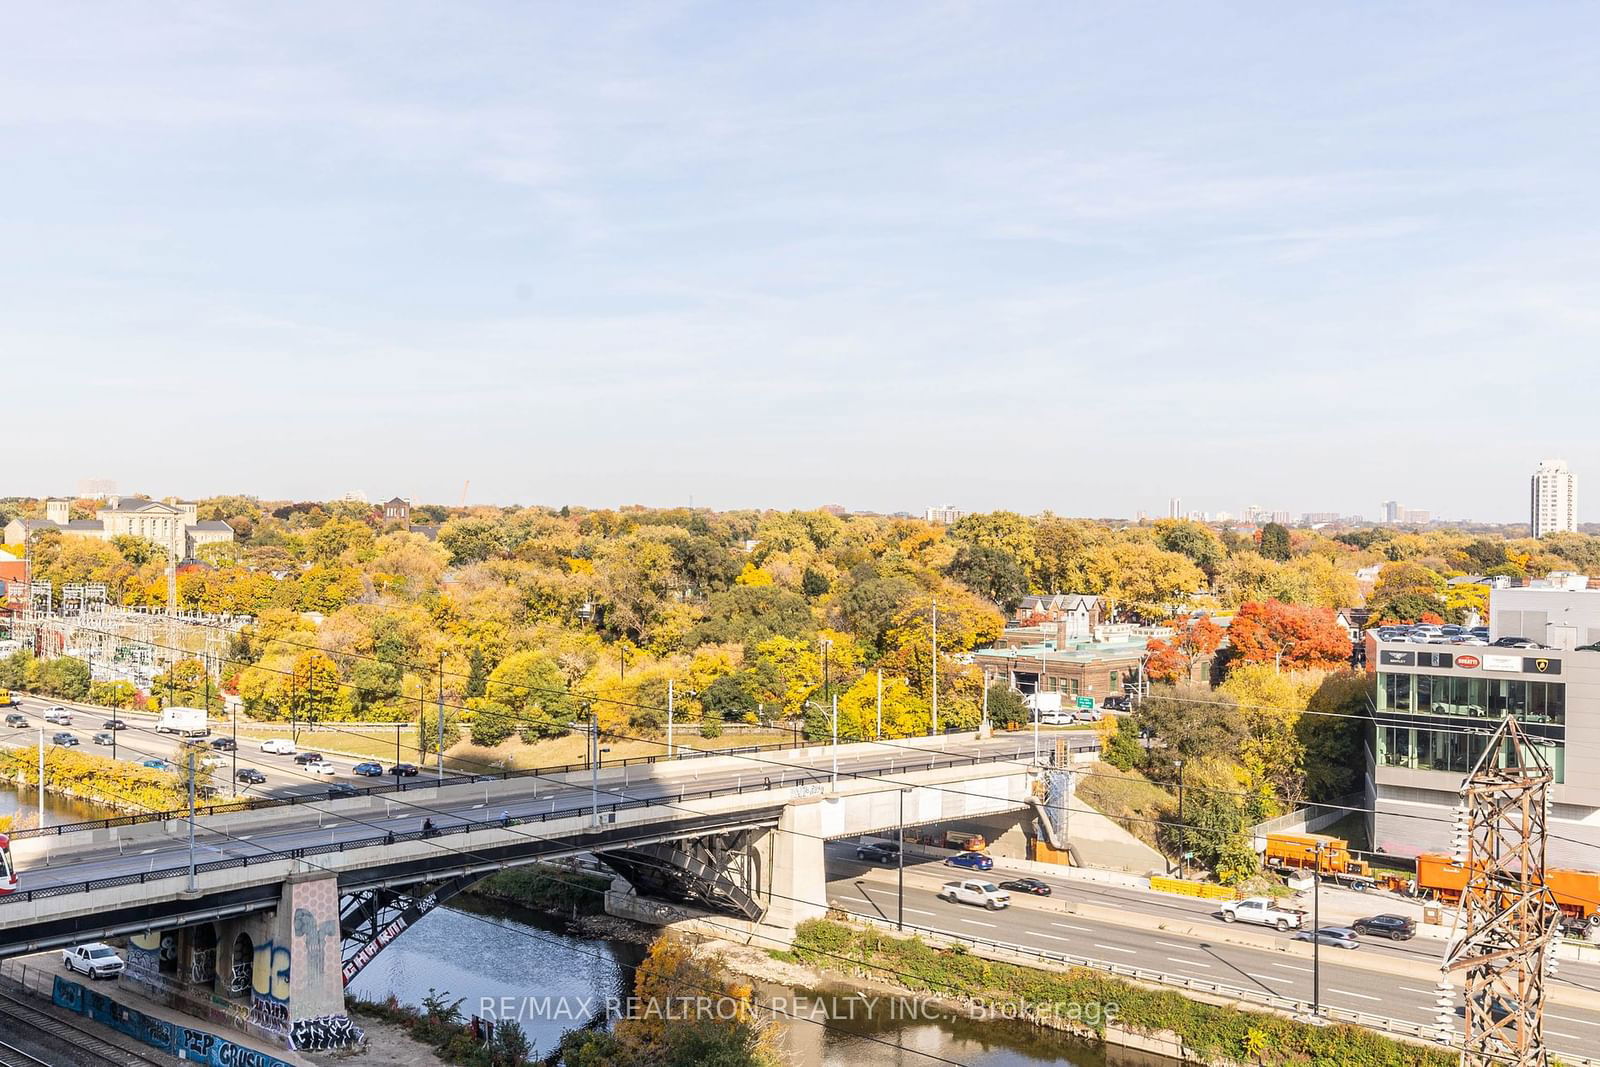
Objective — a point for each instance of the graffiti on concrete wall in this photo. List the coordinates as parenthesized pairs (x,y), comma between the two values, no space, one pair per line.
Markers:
(189,1043)
(271,972)
(202,965)
(316,937)
(325,1032)
(270,1015)
(240,980)
(144,959)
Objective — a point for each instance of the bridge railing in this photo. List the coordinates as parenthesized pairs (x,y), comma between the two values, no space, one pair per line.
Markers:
(458,825)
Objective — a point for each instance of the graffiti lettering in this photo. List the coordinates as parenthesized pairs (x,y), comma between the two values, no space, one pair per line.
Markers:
(193,1045)
(325,1032)
(202,965)
(316,936)
(269,1015)
(271,967)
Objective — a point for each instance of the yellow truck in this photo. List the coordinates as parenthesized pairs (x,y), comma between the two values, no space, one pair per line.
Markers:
(1301,852)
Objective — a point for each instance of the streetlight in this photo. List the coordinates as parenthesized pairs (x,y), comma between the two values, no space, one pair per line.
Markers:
(1182,853)
(835,783)
(827,646)
(1316,933)
(900,854)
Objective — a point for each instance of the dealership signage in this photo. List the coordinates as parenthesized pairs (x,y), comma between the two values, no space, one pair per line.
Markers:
(1502,663)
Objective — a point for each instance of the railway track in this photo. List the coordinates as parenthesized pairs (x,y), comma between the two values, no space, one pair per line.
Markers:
(78,1037)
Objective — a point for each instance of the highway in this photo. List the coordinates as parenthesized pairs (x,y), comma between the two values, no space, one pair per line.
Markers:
(1140,928)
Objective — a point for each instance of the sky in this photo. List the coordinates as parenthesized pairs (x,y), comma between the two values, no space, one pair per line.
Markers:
(1039,256)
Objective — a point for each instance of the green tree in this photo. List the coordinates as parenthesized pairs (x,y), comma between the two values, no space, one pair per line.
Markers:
(1202,547)
(532,689)
(1122,749)
(991,572)
(1006,707)
(1192,721)
(63,676)
(747,614)
(1275,542)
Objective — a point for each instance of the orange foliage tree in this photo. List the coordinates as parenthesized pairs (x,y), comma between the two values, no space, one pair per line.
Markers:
(1298,637)
(1173,660)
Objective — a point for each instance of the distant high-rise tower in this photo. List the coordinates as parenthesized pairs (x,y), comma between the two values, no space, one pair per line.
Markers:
(1391,511)
(1554,507)
(1175,508)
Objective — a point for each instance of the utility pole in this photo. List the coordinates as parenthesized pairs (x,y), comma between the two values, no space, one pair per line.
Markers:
(984,721)
(835,743)
(934,721)
(1182,856)
(441,716)
(191,821)
(900,855)
(235,745)
(827,646)
(1511,917)
(41,776)
(880,703)
(1316,934)
(669,718)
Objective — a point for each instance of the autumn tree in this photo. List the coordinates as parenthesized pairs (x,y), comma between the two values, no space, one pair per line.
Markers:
(1289,635)
(1275,542)
(1173,659)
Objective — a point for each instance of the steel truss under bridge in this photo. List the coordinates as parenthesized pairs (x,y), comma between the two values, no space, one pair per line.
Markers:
(369,919)
(721,872)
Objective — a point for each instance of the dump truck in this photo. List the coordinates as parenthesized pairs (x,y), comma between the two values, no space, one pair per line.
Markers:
(1299,852)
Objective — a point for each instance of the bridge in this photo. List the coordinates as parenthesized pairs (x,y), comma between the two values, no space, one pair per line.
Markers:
(284,905)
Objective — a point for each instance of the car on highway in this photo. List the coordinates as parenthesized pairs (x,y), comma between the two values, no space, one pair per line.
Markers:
(103,738)
(307,757)
(368,769)
(278,746)
(113,724)
(250,776)
(158,765)
(1031,886)
(404,770)
(339,790)
(224,744)
(1262,912)
(1394,927)
(64,739)
(16,720)
(878,852)
(972,861)
(1332,936)
(973,891)
(321,766)
(94,959)
(58,716)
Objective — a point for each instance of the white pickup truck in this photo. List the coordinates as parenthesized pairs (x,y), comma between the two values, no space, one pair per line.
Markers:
(974,891)
(1262,912)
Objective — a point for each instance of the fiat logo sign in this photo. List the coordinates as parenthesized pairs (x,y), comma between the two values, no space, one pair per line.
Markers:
(1468,661)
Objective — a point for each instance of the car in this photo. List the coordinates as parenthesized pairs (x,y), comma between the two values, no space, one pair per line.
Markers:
(322,767)
(307,757)
(250,776)
(878,852)
(16,720)
(224,744)
(972,891)
(339,790)
(113,724)
(404,770)
(103,738)
(1031,886)
(1452,629)
(1394,927)
(157,765)
(1262,912)
(94,959)
(278,746)
(368,769)
(1469,639)
(972,861)
(1117,704)
(1515,642)
(64,739)
(58,716)
(1332,936)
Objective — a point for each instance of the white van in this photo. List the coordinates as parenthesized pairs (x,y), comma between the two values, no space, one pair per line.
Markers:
(278,746)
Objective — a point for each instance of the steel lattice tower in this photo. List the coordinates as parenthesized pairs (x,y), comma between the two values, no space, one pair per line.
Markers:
(1511,916)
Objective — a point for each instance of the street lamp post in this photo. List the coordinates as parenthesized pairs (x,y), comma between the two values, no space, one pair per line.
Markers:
(827,677)
(1316,932)
(900,854)
(934,714)
(1182,852)
(191,821)
(835,783)
(235,745)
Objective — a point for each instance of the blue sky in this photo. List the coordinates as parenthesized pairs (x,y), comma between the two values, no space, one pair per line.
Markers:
(999,255)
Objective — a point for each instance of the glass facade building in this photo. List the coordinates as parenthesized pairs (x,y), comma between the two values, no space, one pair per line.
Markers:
(1442,722)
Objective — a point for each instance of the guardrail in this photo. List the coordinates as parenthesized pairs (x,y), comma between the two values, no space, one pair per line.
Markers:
(424,782)
(1419,1031)
(761,785)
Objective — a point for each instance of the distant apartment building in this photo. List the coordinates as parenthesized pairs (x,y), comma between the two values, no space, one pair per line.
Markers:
(1391,511)
(1318,518)
(176,527)
(1554,504)
(1175,508)
(946,514)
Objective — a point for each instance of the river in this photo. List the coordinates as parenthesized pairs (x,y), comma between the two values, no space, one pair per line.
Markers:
(23,804)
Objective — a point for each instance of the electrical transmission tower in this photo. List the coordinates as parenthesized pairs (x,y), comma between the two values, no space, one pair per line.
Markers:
(1511,916)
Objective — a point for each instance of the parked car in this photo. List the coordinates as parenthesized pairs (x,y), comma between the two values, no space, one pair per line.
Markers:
(1117,704)
(1031,886)
(1469,639)
(878,852)
(971,891)
(249,776)
(58,716)
(16,720)
(972,861)
(307,757)
(278,746)
(224,744)
(404,770)
(1331,936)
(339,790)
(94,959)
(1515,642)
(103,738)
(1262,912)
(368,769)
(1394,927)
(113,724)
(64,739)
(322,767)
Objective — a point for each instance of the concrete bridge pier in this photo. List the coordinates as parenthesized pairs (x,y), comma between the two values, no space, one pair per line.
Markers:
(797,888)
(306,940)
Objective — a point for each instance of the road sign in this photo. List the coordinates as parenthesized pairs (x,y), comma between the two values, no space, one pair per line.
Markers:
(1086,703)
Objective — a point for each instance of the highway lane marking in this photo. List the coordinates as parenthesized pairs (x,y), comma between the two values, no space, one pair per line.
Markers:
(1114,948)
(858,900)
(1570,1019)
(1569,1037)
(1188,963)
(1292,967)
(1424,992)
(1361,996)
(1183,948)
(1268,977)
(975,922)
(1056,937)
(1069,926)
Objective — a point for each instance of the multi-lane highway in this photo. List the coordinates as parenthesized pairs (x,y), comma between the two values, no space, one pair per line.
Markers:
(1182,936)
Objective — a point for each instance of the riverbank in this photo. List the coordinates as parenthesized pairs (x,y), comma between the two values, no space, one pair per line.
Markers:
(83,776)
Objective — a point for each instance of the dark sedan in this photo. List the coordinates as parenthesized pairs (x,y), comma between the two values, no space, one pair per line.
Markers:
(250,776)
(342,789)
(878,852)
(404,770)
(224,744)
(972,861)
(113,724)
(1027,885)
(1394,927)
(304,758)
